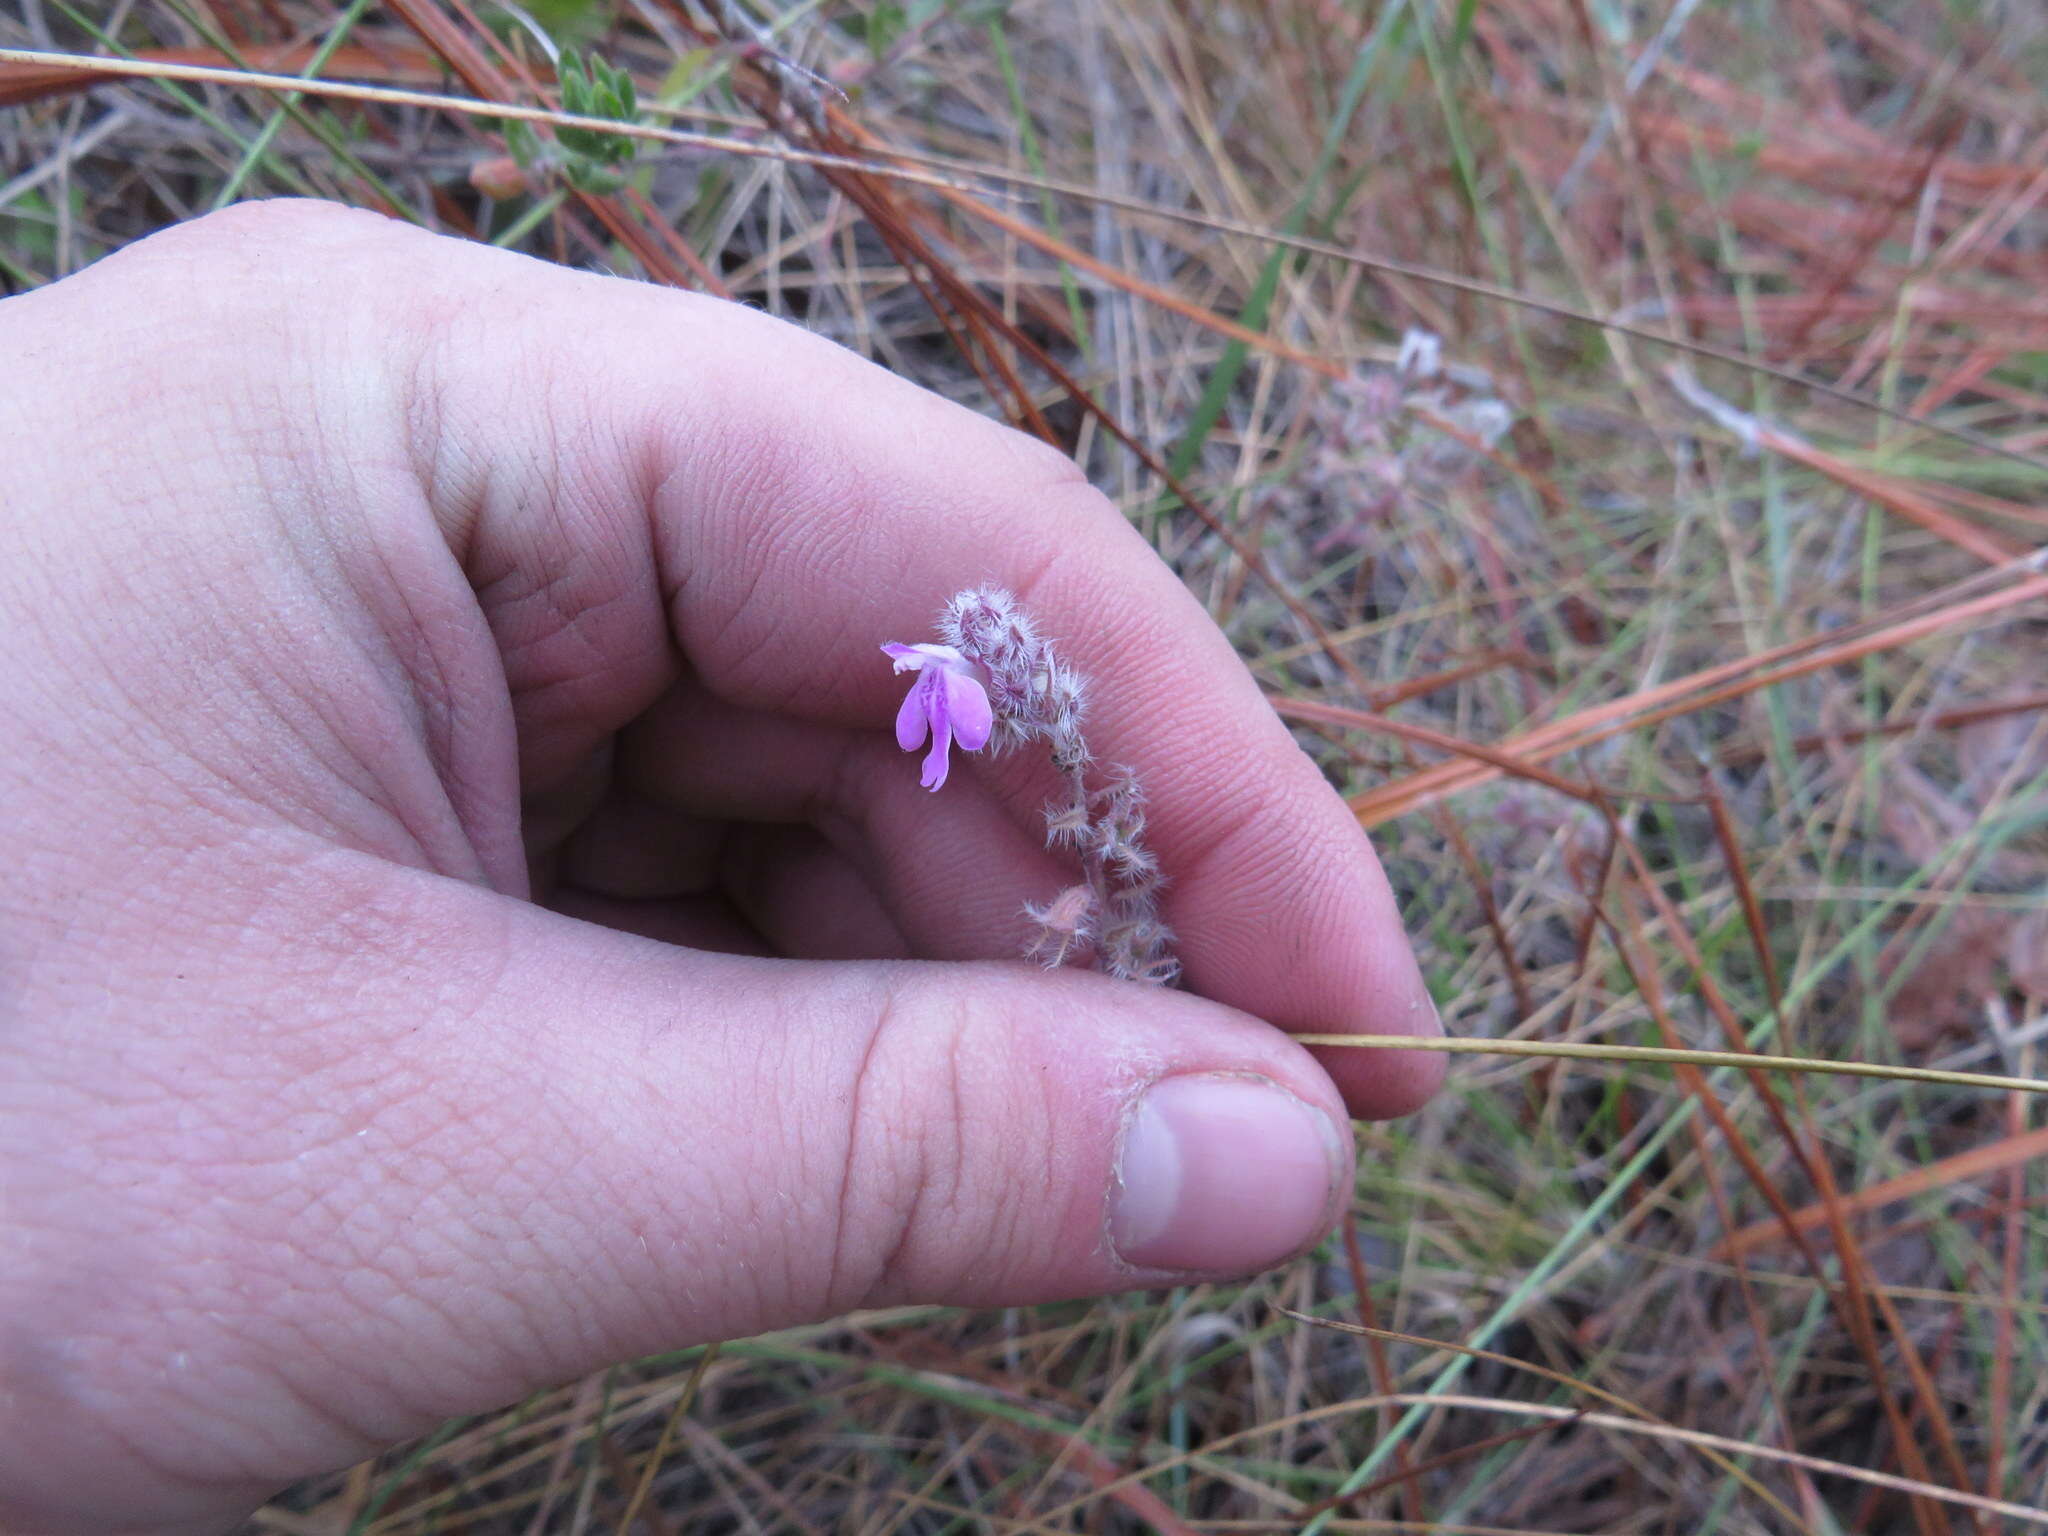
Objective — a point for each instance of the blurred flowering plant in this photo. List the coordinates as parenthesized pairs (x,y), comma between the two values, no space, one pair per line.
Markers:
(1387,434)
(588,159)
(994,679)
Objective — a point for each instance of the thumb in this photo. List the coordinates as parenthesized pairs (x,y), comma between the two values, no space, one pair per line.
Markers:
(750,1143)
(495,1147)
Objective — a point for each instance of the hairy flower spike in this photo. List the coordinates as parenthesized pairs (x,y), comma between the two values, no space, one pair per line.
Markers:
(1036,695)
(1027,693)
(1066,826)
(1062,925)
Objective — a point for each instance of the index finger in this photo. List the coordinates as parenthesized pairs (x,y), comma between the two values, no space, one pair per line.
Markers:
(863,503)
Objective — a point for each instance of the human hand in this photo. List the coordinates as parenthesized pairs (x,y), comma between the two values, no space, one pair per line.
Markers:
(358,585)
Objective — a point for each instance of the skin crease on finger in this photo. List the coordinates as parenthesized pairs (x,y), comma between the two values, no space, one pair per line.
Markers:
(330,575)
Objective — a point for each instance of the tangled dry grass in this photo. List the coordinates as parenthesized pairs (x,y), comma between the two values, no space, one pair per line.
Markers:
(1617,435)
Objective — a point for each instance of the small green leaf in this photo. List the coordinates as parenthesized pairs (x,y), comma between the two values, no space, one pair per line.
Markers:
(592,87)
(575,84)
(522,143)
(587,176)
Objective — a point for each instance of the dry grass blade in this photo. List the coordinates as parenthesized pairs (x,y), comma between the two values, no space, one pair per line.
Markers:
(684,1403)
(1706,1443)
(2025,1514)
(733,146)
(1567,1050)
(1686,695)
(22,83)
(1598,1394)
(2008,1152)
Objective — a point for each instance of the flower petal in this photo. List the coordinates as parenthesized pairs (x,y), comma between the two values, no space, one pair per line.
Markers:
(935,761)
(967,710)
(915,658)
(911,722)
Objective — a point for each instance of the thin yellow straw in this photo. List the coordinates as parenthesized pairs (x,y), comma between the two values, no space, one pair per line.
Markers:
(1746,1060)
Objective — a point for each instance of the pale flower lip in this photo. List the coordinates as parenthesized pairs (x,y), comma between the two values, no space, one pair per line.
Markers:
(947,702)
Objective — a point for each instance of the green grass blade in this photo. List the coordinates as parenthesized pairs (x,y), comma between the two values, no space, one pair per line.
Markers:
(1223,378)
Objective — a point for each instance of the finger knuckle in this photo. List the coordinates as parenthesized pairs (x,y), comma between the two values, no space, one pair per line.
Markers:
(272,228)
(936,1174)
(243,254)
(262,268)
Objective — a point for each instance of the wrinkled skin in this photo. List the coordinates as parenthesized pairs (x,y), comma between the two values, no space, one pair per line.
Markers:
(463,916)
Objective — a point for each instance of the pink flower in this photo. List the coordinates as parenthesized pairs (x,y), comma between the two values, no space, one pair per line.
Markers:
(947,701)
